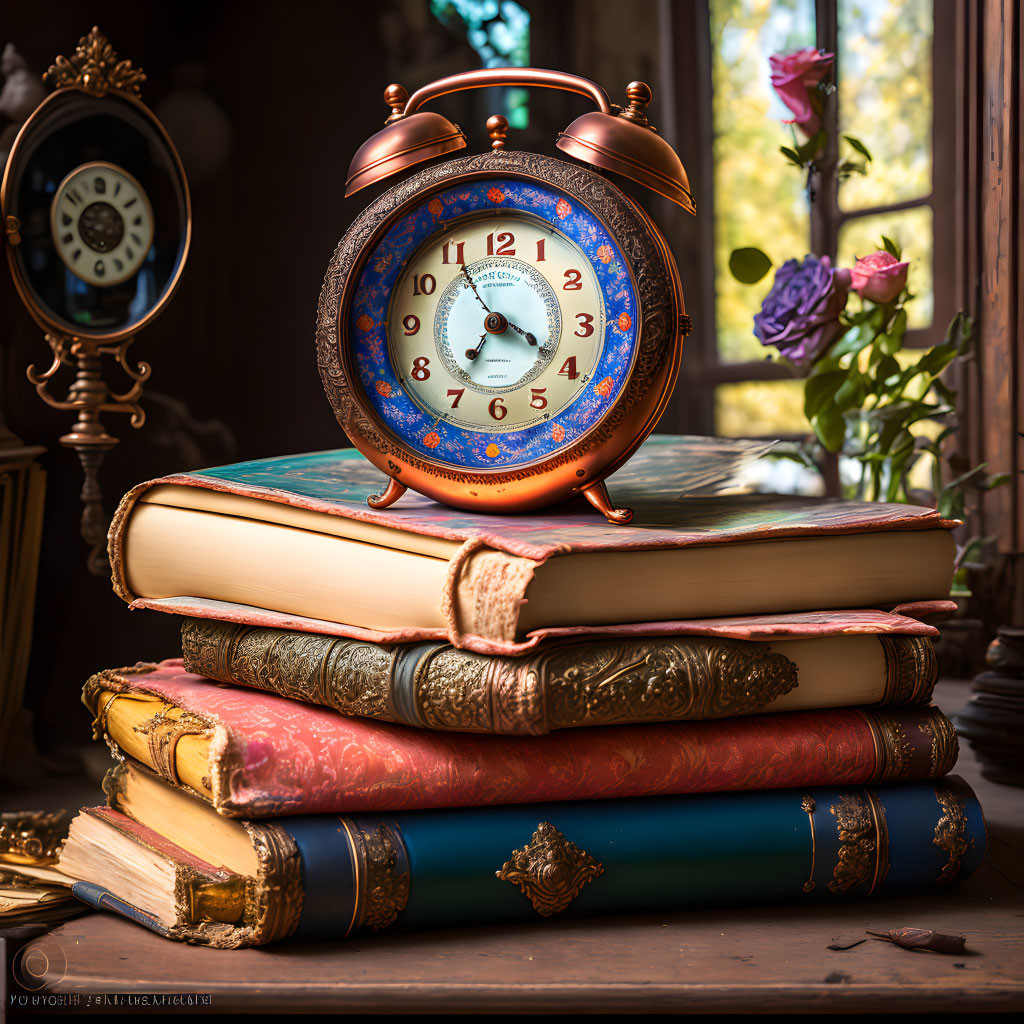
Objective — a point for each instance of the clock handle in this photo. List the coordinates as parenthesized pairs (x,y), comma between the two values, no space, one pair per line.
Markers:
(611,137)
(488,77)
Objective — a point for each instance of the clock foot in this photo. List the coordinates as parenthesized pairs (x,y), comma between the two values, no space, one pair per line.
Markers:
(391,494)
(597,495)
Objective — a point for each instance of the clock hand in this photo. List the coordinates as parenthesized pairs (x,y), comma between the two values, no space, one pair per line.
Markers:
(526,334)
(472,353)
(465,273)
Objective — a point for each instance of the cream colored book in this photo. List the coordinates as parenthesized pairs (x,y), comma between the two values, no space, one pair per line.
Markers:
(290,543)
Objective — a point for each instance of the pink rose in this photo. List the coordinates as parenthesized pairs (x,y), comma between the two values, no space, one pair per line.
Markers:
(879,277)
(796,77)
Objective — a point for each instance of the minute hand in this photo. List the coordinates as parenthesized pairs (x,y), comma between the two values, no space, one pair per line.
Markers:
(465,273)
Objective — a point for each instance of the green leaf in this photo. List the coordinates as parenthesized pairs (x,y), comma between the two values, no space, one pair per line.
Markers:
(749,265)
(820,389)
(791,155)
(896,473)
(898,327)
(858,317)
(812,147)
(951,504)
(936,359)
(960,332)
(830,427)
(859,146)
(851,394)
(890,344)
(848,167)
(887,368)
(946,393)
(891,247)
(971,477)
(996,480)
(960,586)
(853,341)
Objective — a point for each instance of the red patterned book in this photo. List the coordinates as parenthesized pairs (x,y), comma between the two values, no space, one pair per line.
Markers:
(290,543)
(254,754)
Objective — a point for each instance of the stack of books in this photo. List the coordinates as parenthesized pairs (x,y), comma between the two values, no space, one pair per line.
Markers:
(422,717)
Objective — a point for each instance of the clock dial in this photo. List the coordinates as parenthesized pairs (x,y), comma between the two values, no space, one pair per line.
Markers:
(496,343)
(102,224)
(494,324)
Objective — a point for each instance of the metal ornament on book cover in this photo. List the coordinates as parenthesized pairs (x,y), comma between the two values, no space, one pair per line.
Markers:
(500,332)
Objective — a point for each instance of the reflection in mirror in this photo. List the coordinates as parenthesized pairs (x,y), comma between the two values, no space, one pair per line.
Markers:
(102,211)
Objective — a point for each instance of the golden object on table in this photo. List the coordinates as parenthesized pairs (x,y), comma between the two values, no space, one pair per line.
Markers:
(33,890)
(32,837)
(550,870)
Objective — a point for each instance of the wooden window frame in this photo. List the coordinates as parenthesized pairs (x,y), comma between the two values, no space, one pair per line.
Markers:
(686,40)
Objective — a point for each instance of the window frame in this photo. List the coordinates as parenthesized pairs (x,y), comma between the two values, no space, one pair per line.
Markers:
(686,66)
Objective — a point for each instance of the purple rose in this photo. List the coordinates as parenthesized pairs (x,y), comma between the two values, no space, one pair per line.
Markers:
(800,315)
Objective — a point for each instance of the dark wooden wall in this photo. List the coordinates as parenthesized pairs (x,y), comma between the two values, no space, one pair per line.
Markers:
(234,375)
(991,187)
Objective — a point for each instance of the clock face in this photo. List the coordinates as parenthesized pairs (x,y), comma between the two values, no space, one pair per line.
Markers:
(102,224)
(494,324)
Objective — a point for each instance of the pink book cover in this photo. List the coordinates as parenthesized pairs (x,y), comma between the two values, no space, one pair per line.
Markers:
(270,755)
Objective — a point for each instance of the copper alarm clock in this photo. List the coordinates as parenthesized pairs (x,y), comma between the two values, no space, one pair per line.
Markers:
(500,332)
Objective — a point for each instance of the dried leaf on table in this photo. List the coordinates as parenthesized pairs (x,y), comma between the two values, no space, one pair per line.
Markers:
(923,938)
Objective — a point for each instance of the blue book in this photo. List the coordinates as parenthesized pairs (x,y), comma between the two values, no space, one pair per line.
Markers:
(228,883)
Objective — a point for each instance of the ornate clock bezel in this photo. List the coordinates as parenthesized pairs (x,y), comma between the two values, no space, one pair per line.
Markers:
(610,441)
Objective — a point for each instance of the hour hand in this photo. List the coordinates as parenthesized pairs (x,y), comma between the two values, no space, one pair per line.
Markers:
(472,353)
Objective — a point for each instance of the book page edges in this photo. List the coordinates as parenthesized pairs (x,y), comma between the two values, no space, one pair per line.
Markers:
(753,627)
(272,899)
(473,590)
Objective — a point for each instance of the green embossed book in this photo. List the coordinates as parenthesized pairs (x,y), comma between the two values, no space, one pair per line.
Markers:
(290,543)
(172,864)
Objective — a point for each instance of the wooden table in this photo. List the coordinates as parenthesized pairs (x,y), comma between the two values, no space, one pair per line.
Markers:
(765,959)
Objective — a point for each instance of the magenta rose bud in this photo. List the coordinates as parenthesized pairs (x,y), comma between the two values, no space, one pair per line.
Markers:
(796,77)
(800,315)
(879,277)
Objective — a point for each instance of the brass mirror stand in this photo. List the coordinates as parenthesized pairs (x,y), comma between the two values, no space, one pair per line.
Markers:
(88,396)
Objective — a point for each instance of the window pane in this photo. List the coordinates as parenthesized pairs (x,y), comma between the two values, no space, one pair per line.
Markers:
(759,198)
(885,98)
(500,34)
(911,230)
(756,408)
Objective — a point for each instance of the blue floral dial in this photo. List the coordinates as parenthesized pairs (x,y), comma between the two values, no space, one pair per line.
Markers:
(494,324)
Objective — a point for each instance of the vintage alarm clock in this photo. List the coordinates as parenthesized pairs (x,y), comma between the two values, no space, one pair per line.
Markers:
(500,332)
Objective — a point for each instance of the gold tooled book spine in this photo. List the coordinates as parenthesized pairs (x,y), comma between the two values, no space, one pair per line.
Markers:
(437,686)
(911,669)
